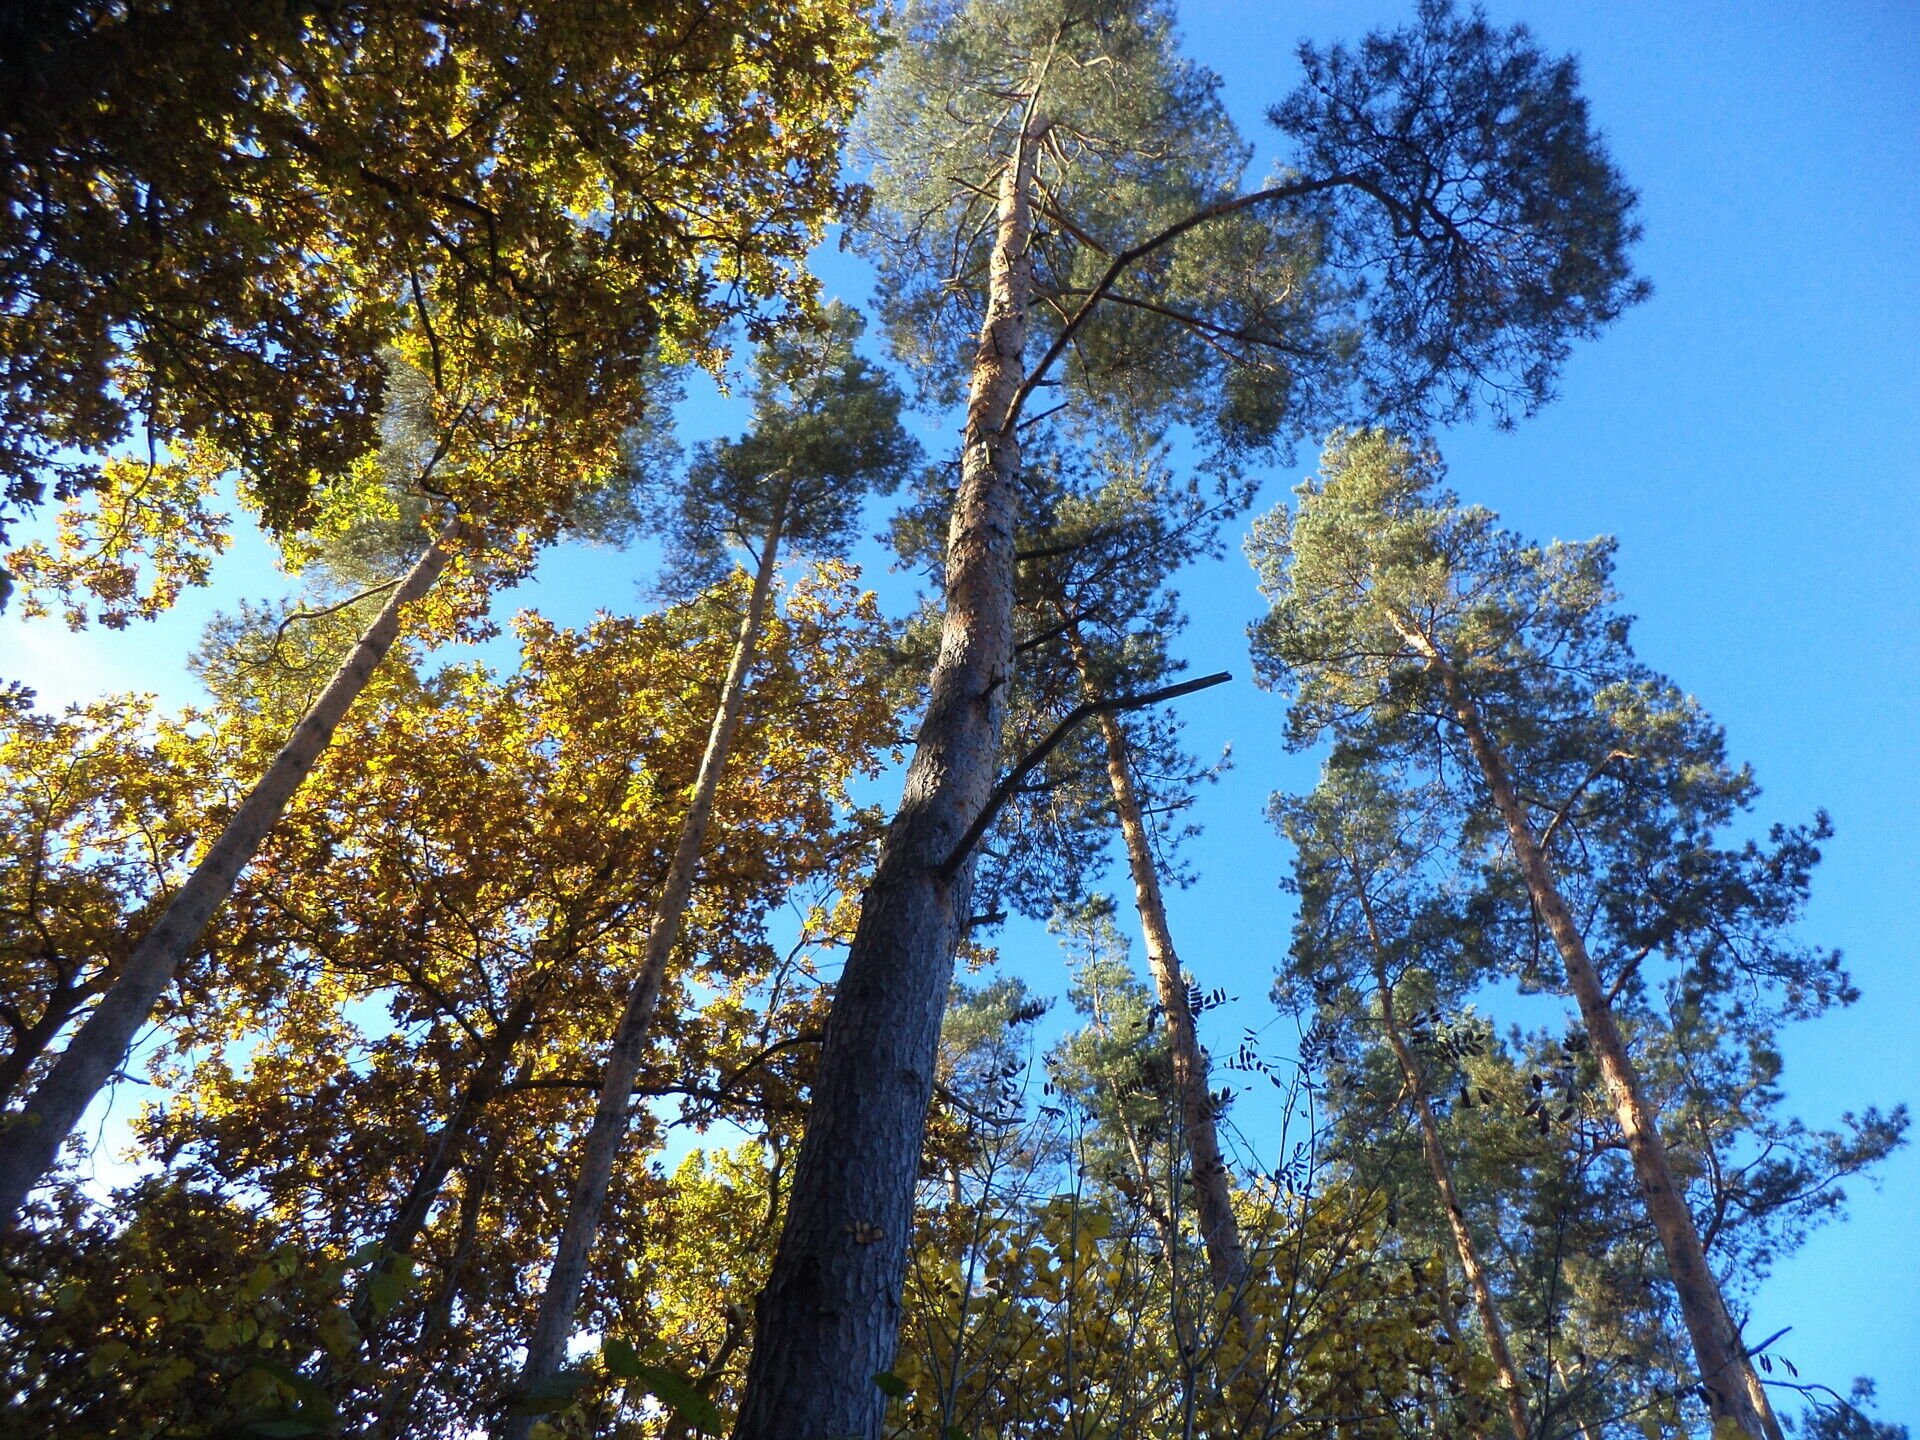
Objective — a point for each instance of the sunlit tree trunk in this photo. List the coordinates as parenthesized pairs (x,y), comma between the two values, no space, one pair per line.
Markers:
(1213,1200)
(553,1322)
(100,1047)
(1440,1170)
(829,1317)
(1733,1390)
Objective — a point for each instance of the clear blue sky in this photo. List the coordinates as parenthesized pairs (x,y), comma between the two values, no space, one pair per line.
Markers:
(1750,434)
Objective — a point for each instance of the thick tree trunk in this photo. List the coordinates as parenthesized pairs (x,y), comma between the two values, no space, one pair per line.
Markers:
(830,1315)
(1213,1201)
(30,1143)
(1441,1172)
(1733,1390)
(553,1322)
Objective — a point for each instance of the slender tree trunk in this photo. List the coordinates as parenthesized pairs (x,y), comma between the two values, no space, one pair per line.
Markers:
(1441,1172)
(409,1218)
(1588,1430)
(553,1322)
(1164,1222)
(830,1314)
(1733,1390)
(1213,1201)
(679,1427)
(30,1143)
(443,1151)
(402,1389)
(1161,1215)
(1451,1324)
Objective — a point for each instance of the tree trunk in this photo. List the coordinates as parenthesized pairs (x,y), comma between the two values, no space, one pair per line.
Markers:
(1441,1171)
(1733,1390)
(1213,1201)
(31,1041)
(553,1322)
(1470,1416)
(1588,1430)
(829,1317)
(392,1418)
(410,1217)
(32,1140)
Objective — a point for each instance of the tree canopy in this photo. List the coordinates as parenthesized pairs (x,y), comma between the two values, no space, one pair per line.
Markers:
(754,990)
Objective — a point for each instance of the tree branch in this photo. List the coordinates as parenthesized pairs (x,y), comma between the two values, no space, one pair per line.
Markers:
(1546,836)
(1009,786)
(1118,266)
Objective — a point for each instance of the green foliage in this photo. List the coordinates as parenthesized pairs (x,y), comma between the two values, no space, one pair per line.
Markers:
(825,436)
(1379,578)
(387,265)
(1493,202)
(176,1313)
(1450,223)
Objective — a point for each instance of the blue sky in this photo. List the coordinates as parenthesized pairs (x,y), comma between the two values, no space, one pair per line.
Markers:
(1749,434)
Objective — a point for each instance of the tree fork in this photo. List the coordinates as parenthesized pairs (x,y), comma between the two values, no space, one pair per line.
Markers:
(410,1216)
(29,1145)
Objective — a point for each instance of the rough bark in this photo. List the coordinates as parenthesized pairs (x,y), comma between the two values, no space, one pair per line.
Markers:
(1213,1201)
(1733,1391)
(553,1322)
(100,1047)
(829,1318)
(1440,1170)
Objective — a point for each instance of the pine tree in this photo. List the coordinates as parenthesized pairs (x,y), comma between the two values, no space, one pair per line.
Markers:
(1420,636)
(1052,170)
(826,434)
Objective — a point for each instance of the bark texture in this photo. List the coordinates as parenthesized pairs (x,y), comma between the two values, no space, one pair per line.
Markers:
(1213,1201)
(1733,1390)
(829,1317)
(31,1142)
(553,1322)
